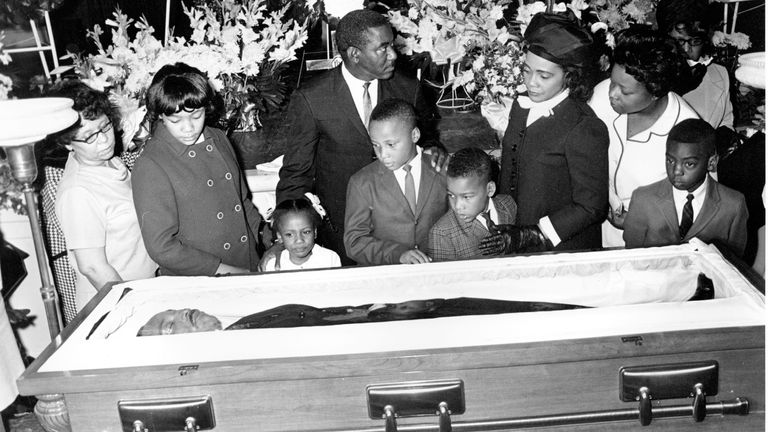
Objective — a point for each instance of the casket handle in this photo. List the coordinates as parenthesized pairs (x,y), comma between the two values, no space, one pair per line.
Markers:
(669,381)
(138,426)
(390,424)
(699,403)
(190,425)
(445,418)
(646,414)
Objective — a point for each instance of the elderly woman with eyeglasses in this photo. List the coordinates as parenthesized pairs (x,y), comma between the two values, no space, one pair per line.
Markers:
(94,200)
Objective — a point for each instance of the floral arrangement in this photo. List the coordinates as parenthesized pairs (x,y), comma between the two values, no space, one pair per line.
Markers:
(443,28)
(472,36)
(495,71)
(6,84)
(619,14)
(738,40)
(240,45)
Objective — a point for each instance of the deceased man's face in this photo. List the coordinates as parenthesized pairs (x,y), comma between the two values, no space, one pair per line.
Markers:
(175,321)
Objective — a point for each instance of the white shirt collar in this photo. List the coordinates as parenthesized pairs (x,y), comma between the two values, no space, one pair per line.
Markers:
(415,172)
(699,195)
(704,60)
(540,109)
(355,86)
(492,211)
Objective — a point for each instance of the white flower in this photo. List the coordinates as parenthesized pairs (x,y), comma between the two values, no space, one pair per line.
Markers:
(559,7)
(253,55)
(402,24)
(6,85)
(249,35)
(526,12)
(598,26)
(479,63)
(577,6)
(739,40)
(497,12)
(610,40)
(315,203)
(718,38)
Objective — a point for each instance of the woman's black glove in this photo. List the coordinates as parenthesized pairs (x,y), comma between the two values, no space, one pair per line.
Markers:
(506,239)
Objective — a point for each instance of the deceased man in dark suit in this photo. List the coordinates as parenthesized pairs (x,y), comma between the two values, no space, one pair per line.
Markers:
(328,117)
(176,321)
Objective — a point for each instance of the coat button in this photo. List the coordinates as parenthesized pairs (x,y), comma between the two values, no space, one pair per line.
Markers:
(238,208)
(227,246)
(219,215)
(209,148)
(243,239)
(209,183)
(228,176)
(192,153)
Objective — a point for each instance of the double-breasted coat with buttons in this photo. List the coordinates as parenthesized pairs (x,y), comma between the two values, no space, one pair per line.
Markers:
(193,206)
(558,167)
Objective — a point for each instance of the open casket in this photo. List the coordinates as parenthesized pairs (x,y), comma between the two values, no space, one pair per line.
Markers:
(639,354)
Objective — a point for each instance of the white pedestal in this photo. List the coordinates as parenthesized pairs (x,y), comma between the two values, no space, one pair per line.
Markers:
(16,231)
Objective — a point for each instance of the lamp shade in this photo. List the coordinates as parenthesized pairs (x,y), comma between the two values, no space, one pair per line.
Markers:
(25,121)
(751,70)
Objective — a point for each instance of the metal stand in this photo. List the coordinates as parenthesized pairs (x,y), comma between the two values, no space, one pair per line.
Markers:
(47,290)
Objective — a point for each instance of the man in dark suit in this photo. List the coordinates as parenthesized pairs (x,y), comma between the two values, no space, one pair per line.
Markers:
(688,203)
(329,140)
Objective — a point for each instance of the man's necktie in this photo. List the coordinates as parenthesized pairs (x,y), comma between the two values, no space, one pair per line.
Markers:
(487,217)
(367,105)
(687,219)
(410,188)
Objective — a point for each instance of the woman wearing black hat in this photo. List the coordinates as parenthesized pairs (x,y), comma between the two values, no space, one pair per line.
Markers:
(554,152)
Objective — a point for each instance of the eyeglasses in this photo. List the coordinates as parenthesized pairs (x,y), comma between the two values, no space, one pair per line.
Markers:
(695,41)
(90,139)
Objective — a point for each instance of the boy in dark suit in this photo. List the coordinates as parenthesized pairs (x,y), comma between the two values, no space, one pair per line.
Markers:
(394,201)
(473,213)
(689,203)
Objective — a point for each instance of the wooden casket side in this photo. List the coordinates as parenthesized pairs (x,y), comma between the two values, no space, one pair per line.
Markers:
(500,381)
(506,382)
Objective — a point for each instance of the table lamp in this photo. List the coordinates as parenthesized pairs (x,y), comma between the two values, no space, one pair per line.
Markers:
(23,122)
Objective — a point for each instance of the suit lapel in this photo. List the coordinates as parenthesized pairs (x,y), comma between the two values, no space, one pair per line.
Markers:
(388,185)
(717,80)
(666,205)
(708,210)
(426,183)
(343,95)
(503,210)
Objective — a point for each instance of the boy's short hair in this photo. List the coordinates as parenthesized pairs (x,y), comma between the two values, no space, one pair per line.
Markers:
(352,28)
(695,131)
(394,108)
(471,161)
(180,87)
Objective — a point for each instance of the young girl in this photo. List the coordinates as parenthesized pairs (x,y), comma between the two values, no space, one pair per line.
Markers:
(190,195)
(295,222)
